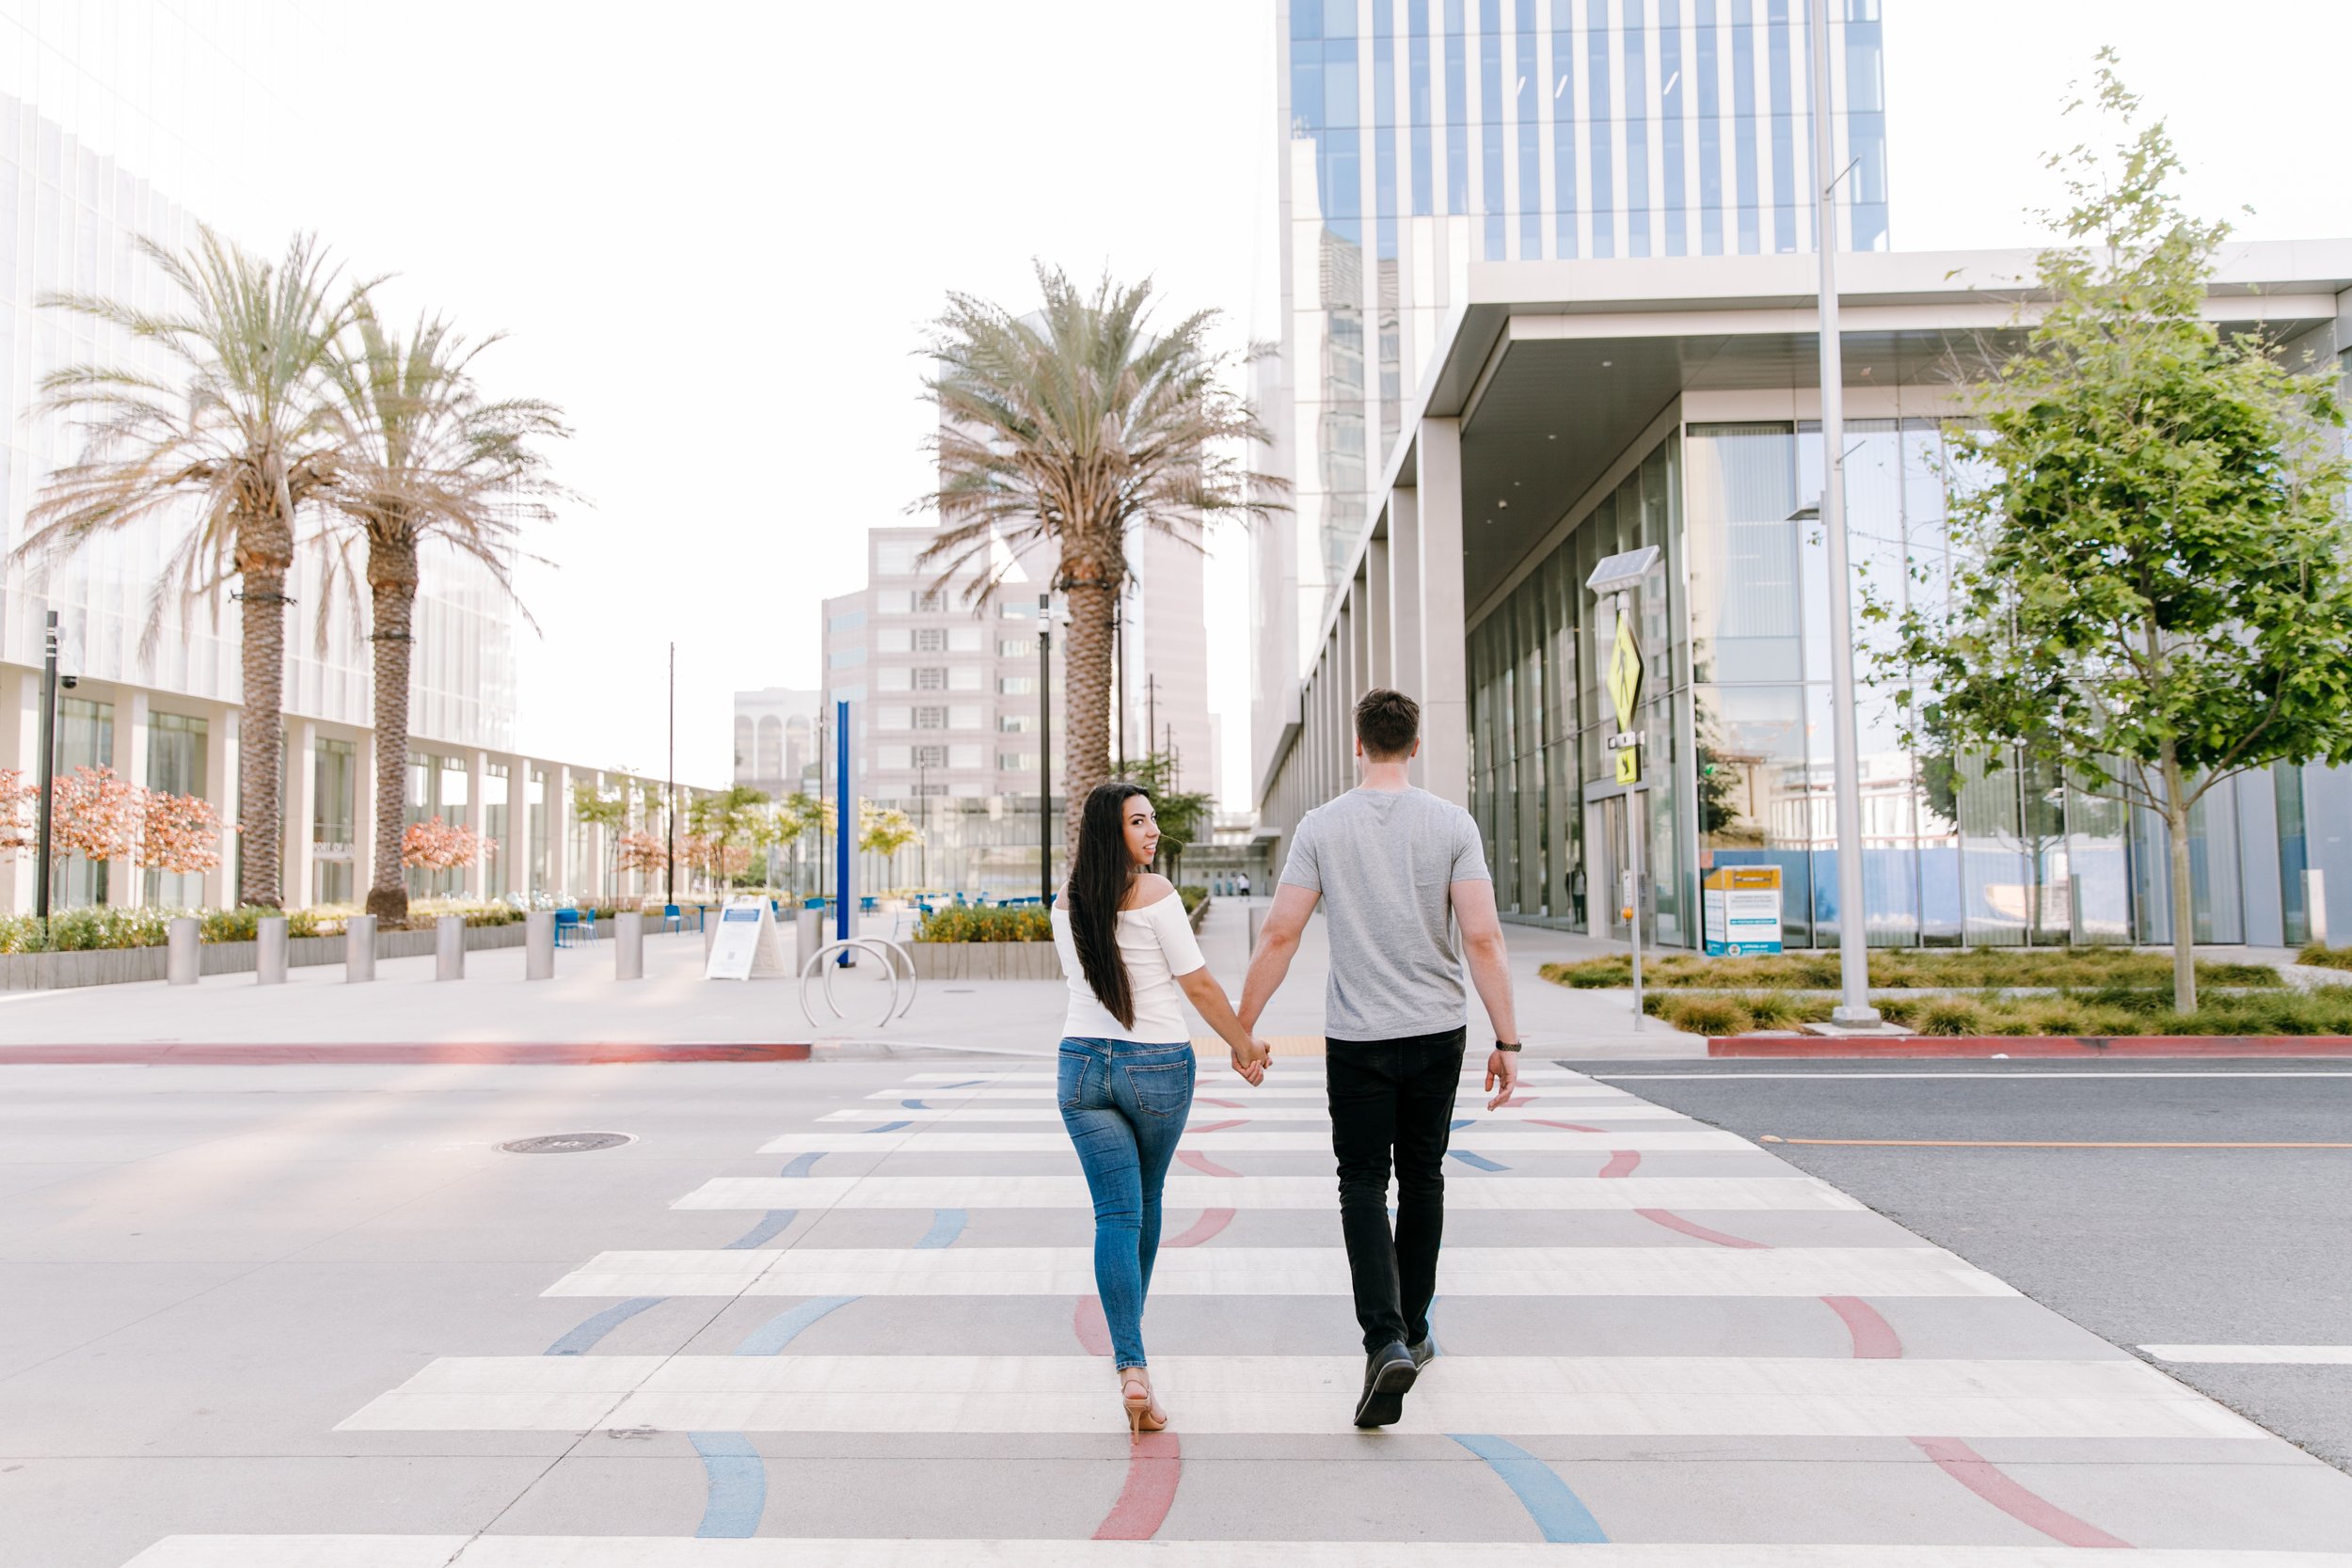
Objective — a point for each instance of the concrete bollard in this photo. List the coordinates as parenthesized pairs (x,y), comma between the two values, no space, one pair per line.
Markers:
(449,948)
(629,946)
(269,951)
(711,935)
(808,935)
(539,945)
(183,963)
(359,948)
(2315,904)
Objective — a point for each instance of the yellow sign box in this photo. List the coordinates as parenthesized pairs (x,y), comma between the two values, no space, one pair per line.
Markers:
(1629,764)
(1625,673)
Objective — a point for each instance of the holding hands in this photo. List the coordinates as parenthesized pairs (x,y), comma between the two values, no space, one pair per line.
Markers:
(1251,1063)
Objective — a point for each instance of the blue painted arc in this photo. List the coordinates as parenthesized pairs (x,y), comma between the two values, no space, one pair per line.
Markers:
(774,1221)
(1477,1161)
(913,1105)
(786,1327)
(801,1165)
(739,1485)
(890,1126)
(946,1225)
(1457,1125)
(1559,1513)
(968,1083)
(581,1341)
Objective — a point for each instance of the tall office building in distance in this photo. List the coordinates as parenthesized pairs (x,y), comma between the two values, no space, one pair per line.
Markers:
(1420,138)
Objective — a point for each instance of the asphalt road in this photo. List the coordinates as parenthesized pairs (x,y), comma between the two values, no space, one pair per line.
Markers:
(2143,1247)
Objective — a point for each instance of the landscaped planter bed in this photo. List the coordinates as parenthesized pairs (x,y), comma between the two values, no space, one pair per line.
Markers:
(1980,1047)
(110,966)
(985,961)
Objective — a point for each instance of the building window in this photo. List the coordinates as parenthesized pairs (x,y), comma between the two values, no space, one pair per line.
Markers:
(930,756)
(1016,686)
(177,758)
(965,640)
(930,677)
(893,639)
(893,678)
(931,640)
(932,600)
(963,756)
(1016,724)
(1016,648)
(894,601)
(930,719)
(851,619)
(967,677)
(1016,762)
(964,717)
(892,759)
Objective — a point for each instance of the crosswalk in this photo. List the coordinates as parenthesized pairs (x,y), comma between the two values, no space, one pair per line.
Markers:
(966,1147)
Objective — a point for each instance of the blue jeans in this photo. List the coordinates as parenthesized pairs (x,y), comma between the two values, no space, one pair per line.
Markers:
(1125,1105)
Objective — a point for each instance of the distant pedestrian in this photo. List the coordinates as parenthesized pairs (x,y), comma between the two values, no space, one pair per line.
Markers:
(1395,868)
(1245,884)
(1125,1067)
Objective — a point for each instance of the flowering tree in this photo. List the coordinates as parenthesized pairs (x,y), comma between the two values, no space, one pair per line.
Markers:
(17,800)
(436,845)
(715,858)
(179,834)
(95,814)
(641,850)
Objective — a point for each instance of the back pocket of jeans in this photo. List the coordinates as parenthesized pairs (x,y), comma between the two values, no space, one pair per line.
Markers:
(1070,1079)
(1164,1089)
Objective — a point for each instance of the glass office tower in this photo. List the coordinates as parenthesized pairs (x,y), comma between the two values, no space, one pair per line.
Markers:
(1422,137)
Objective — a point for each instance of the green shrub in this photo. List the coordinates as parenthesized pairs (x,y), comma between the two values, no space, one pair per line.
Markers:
(2324,957)
(1709,1014)
(1947,1015)
(985,925)
(1193,895)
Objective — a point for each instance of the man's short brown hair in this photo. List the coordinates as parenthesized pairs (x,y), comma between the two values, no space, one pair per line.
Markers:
(1387,723)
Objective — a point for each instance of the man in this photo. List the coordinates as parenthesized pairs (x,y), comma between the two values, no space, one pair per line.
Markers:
(1395,867)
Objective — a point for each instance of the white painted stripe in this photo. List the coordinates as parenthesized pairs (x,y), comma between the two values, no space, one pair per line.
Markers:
(1282,1064)
(1546,1140)
(1579,1095)
(1533,1396)
(1240,1271)
(1288,1110)
(626,1551)
(1464,1193)
(2275,1355)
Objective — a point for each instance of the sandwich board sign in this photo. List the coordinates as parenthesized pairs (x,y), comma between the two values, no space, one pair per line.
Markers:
(1739,908)
(748,944)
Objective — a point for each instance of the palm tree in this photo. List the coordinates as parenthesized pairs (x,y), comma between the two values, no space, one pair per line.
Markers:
(238,440)
(427,457)
(1079,426)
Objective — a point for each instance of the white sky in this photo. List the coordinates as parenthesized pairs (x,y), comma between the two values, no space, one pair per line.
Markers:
(712,234)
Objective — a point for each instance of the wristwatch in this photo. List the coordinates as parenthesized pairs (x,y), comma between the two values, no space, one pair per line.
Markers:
(1501,1046)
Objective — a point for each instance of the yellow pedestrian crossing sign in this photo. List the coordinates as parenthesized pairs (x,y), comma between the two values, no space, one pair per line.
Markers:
(1625,673)
(1624,689)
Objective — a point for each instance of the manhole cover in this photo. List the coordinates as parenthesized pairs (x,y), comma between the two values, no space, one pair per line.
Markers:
(567,1143)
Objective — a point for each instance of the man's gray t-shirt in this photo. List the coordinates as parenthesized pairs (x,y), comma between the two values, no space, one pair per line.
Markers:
(1383,860)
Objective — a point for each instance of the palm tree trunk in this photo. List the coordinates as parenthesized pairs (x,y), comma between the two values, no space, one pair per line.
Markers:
(1086,696)
(261,739)
(394,597)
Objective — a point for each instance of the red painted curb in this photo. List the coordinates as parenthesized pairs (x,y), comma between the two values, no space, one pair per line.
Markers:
(1980,1046)
(484,1053)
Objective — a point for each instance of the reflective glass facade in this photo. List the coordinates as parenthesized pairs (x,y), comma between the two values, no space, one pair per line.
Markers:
(1421,136)
(1735,716)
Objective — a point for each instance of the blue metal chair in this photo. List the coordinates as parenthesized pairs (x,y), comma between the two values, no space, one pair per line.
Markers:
(588,924)
(671,919)
(566,927)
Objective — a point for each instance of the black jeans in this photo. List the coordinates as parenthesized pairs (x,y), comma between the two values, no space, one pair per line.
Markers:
(1392,1100)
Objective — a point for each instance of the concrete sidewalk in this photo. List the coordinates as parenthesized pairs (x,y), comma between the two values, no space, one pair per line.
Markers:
(674,1004)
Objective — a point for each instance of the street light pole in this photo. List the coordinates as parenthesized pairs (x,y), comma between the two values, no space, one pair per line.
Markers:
(1853,943)
(1044,751)
(669,799)
(46,808)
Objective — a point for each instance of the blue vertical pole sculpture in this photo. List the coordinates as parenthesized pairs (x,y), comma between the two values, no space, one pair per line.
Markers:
(841,824)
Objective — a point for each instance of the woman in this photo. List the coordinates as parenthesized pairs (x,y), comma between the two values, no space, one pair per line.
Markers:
(1126,1065)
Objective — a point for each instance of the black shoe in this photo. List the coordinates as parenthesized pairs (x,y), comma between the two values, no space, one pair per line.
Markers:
(1424,1353)
(1388,1373)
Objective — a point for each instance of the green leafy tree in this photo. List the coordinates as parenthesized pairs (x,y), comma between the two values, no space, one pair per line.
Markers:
(885,829)
(2148,592)
(595,807)
(727,823)
(425,457)
(1079,426)
(1185,818)
(229,446)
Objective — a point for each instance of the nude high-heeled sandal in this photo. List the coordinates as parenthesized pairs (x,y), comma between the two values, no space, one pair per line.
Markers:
(1143,1411)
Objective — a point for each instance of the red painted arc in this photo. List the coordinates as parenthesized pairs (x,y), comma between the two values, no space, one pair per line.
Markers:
(1676,1222)
(1156,1464)
(1202,1164)
(1622,1162)
(1970,1468)
(1205,1228)
(1219,1126)
(1874,1338)
(1563,1126)
(394,1053)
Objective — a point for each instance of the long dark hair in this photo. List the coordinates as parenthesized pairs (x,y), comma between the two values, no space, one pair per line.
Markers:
(1100,872)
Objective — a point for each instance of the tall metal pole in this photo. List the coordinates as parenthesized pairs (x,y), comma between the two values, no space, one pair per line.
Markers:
(841,824)
(1044,752)
(922,850)
(48,773)
(670,793)
(1853,945)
